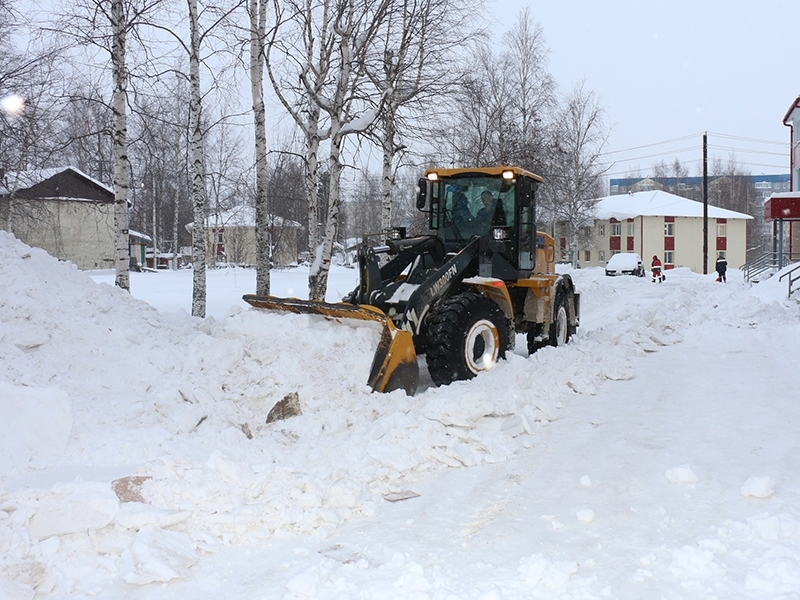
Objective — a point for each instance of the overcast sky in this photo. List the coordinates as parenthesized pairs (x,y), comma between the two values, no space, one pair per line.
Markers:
(667,70)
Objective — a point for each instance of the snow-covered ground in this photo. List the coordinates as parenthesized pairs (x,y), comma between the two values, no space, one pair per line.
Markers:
(655,456)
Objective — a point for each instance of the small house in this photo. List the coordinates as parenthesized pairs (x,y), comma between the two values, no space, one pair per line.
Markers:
(663,224)
(63,211)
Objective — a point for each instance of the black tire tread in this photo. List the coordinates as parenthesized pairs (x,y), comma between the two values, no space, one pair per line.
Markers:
(446,332)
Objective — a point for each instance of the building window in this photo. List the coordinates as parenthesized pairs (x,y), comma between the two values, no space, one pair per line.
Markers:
(602,229)
(721,255)
(602,256)
(587,256)
(616,229)
(668,258)
(722,230)
(631,229)
(613,252)
(219,237)
(669,229)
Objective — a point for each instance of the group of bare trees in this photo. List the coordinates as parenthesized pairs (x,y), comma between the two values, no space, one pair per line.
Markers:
(509,110)
(155,107)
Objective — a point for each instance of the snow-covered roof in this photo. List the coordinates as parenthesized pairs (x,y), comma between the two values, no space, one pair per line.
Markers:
(245,216)
(785,195)
(140,235)
(22,180)
(657,203)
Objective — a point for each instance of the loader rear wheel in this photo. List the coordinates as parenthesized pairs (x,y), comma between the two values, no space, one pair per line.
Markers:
(466,336)
(560,329)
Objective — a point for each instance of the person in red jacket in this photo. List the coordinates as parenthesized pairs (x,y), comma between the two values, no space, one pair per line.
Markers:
(655,266)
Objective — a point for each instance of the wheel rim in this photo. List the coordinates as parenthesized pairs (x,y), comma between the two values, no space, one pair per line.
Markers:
(482,346)
(561,326)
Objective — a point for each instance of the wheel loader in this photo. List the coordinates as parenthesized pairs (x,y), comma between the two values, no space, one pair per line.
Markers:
(460,294)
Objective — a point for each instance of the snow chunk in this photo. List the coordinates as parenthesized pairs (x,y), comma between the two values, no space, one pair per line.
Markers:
(137,515)
(778,573)
(585,516)
(538,569)
(758,487)
(775,528)
(691,562)
(682,474)
(156,554)
(74,507)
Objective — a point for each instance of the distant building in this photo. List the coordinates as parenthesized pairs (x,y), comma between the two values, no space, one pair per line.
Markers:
(658,223)
(67,213)
(783,209)
(692,187)
(231,237)
(63,211)
(138,243)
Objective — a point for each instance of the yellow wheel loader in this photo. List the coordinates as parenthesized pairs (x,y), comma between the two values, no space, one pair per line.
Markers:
(461,294)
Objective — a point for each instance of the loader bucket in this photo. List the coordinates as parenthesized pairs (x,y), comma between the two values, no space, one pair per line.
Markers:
(394,366)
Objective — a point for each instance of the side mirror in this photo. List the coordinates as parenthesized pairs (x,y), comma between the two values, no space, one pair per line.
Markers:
(422,194)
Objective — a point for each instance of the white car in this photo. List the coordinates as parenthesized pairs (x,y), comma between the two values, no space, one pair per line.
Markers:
(625,263)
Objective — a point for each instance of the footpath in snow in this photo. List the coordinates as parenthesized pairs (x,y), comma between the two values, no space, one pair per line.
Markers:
(654,456)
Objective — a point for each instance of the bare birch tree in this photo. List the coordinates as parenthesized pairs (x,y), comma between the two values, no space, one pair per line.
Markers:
(258,18)
(416,38)
(324,46)
(298,59)
(198,190)
(576,169)
(108,27)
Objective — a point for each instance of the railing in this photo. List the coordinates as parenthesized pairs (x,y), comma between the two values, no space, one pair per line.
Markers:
(792,278)
(771,261)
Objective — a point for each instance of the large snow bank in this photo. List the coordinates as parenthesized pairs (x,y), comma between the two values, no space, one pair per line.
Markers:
(135,443)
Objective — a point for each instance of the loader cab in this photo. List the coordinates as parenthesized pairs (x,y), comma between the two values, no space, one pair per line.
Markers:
(497,204)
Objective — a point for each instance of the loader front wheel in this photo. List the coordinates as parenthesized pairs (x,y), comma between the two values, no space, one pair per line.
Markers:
(466,336)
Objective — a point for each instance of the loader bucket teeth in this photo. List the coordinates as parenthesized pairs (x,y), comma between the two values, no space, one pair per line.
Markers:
(395,364)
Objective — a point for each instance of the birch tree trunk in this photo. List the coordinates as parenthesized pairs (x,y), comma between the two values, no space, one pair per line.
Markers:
(387,175)
(318,276)
(121,168)
(258,16)
(312,197)
(196,170)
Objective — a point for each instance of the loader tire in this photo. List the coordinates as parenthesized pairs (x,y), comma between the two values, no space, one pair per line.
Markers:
(466,336)
(560,328)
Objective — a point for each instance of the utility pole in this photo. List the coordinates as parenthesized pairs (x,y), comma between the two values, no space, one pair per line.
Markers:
(705,203)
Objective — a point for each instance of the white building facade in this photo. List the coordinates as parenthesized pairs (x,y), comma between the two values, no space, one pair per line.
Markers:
(656,223)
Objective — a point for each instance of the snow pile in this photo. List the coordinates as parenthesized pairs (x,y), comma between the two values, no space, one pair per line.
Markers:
(135,444)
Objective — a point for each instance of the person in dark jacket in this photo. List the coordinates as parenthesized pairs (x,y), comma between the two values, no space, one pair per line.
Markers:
(461,212)
(722,267)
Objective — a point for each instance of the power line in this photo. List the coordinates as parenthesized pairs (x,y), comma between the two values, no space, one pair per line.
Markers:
(746,139)
(687,149)
(697,135)
(748,151)
(680,139)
